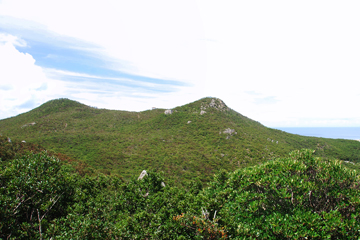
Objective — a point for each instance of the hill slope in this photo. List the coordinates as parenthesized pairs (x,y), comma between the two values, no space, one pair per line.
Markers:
(125,143)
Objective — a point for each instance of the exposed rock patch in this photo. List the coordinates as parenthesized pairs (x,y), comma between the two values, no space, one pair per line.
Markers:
(142,174)
(215,103)
(229,132)
(272,140)
(29,124)
(168,111)
(218,104)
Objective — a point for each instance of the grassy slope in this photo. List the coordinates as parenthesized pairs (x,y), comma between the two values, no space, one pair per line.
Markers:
(15,149)
(125,143)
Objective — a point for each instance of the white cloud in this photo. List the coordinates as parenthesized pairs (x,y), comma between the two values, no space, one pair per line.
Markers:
(10,39)
(157,38)
(302,54)
(25,85)
(305,54)
(21,80)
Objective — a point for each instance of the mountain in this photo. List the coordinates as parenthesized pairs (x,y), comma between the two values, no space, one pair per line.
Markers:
(194,140)
(14,149)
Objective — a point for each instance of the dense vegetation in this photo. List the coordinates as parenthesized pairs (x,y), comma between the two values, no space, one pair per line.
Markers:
(125,143)
(297,197)
(85,185)
(11,149)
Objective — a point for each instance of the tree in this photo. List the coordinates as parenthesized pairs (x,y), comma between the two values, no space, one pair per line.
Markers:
(33,191)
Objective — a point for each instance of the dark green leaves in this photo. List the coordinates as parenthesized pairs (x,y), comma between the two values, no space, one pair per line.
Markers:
(301,196)
(33,190)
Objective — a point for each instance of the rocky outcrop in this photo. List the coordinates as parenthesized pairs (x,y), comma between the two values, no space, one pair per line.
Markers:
(28,124)
(229,132)
(168,111)
(218,104)
(215,103)
(142,175)
(272,140)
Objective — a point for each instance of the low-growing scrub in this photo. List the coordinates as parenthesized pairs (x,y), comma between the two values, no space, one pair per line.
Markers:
(298,197)
(183,145)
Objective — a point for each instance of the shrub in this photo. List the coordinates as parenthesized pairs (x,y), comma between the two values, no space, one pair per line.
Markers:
(292,198)
(299,197)
(33,190)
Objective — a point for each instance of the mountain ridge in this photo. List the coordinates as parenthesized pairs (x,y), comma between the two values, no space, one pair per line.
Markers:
(195,140)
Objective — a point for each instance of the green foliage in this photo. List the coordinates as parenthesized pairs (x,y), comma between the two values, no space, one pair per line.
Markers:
(201,227)
(9,149)
(107,208)
(352,165)
(33,190)
(16,149)
(298,197)
(301,196)
(125,143)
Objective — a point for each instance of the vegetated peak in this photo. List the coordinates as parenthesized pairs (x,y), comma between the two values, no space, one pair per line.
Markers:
(216,103)
(204,105)
(211,102)
(57,105)
(62,102)
(192,140)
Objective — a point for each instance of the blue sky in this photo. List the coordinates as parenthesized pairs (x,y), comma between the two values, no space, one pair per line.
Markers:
(282,63)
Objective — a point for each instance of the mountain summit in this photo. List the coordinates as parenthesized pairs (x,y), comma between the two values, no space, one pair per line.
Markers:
(194,140)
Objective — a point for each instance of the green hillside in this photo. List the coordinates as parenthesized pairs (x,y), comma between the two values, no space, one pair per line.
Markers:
(125,143)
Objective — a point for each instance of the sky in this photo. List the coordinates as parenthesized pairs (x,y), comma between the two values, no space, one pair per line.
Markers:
(281,63)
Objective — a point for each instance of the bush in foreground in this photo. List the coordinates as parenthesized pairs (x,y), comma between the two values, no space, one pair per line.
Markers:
(33,191)
(300,197)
